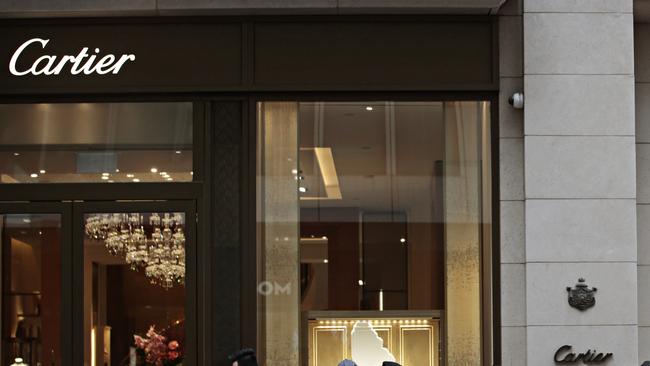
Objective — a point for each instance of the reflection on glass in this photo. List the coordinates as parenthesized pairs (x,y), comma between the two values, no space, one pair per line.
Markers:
(134,276)
(379,210)
(95,142)
(278,273)
(31,288)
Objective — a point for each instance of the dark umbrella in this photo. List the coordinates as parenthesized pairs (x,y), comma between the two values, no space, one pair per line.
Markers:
(245,357)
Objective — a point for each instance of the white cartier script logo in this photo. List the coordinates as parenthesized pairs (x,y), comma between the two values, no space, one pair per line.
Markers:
(83,63)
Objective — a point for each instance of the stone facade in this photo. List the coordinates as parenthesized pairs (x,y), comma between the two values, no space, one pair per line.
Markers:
(642,107)
(512,207)
(580,177)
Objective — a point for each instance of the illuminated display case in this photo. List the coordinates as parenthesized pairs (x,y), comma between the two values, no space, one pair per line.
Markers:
(411,338)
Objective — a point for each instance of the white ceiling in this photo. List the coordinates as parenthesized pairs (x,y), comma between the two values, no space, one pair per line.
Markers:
(383,163)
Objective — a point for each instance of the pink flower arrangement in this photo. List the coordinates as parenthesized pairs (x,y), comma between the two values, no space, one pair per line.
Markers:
(156,350)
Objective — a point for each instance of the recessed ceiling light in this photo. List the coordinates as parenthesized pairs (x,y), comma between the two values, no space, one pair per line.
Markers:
(117,170)
(361,283)
(105,177)
(170,178)
(16,154)
(136,180)
(130,175)
(111,181)
(154,170)
(302,189)
(105,174)
(34,175)
(402,240)
(325,261)
(369,108)
(191,173)
(42,171)
(294,171)
(163,173)
(27,221)
(178,151)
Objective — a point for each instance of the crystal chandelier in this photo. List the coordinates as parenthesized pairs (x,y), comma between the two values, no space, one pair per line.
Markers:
(161,254)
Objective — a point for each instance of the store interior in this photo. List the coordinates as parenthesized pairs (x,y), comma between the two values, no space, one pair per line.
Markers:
(389,231)
(377,213)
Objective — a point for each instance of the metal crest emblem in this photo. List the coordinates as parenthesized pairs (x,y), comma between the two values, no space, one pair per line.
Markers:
(582,297)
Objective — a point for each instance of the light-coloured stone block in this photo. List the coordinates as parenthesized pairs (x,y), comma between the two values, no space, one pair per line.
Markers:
(579,167)
(643,234)
(75,6)
(510,46)
(578,43)
(642,51)
(581,230)
(248,6)
(644,341)
(511,120)
(543,342)
(511,165)
(513,344)
(644,295)
(479,6)
(513,246)
(642,108)
(513,295)
(546,294)
(579,6)
(643,173)
(579,105)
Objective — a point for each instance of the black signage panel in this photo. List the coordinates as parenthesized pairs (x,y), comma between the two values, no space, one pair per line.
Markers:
(119,58)
(212,54)
(414,54)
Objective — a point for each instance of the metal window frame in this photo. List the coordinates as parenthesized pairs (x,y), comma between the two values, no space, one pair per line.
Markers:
(64,209)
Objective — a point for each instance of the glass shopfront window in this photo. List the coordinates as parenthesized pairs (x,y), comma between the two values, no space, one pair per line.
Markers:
(374,230)
(134,288)
(95,142)
(31,288)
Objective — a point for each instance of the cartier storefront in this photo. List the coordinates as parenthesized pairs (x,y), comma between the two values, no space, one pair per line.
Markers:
(316,188)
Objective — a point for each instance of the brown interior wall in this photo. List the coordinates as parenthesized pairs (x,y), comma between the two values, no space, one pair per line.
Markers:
(51,295)
(115,312)
(426,253)
(343,261)
(426,280)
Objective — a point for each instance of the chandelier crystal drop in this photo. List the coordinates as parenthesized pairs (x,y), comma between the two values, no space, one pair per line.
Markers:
(161,253)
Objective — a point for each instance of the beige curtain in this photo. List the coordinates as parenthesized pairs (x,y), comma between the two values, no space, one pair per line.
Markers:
(463,126)
(278,215)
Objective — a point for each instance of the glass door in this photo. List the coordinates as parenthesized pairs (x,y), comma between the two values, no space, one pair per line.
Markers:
(133,283)
(35,240)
